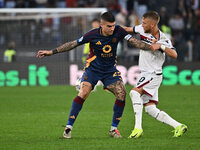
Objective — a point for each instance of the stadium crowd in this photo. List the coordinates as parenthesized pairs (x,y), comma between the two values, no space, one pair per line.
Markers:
(180,19)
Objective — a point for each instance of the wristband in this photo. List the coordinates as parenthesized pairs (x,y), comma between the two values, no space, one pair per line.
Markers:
(54,51)
(163,47)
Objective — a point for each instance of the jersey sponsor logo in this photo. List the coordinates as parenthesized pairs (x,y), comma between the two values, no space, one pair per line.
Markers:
(106,55)
(107,49)
(98,43)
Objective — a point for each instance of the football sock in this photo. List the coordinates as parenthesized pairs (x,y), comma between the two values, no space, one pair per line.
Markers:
(118,109)
(75,109)
(113,128)
(137,108)
(69,126)
(161,116)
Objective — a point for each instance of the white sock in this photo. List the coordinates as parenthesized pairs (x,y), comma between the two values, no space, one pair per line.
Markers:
(69,126)
(113,128)
(161,116)
(137,108)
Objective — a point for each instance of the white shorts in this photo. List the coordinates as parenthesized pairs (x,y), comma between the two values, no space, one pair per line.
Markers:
(150,83)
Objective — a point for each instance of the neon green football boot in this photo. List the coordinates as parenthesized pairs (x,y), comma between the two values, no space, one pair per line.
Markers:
(180,130)
(136,133)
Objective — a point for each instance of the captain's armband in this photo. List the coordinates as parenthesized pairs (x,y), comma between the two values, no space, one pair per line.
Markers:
(127,37)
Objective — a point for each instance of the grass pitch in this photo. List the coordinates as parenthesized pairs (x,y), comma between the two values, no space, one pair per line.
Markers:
(32,118)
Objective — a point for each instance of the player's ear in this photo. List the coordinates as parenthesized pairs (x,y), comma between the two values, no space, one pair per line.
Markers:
(101,24)
(152,24)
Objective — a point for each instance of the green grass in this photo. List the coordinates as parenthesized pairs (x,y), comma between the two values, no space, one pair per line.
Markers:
(31,118)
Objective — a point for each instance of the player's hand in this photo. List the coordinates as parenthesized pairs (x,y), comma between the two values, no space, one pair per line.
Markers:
(154,41)
(43,53)
(155,47)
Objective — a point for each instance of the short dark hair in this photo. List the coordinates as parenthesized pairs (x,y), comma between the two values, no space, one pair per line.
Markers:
(153,15)
(108,16)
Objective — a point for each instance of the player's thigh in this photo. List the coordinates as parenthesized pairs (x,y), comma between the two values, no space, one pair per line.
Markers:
(118,89)
(113,82)
(90,76)
(143,79)
(111,77)
(149,83)
(152,87)
(139,90)
(150,99)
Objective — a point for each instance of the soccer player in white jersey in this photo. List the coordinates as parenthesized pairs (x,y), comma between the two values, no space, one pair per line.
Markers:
(150,64)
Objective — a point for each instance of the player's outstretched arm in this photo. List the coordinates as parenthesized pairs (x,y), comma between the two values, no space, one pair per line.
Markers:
(63,48)
(67,46)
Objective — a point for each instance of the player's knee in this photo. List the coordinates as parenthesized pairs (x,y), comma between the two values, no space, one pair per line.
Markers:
(135,96)
(139,90)
(152,110)
(124,94)
(83,94)
(121,95)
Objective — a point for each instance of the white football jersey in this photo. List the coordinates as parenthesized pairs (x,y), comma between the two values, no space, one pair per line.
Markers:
(148,61)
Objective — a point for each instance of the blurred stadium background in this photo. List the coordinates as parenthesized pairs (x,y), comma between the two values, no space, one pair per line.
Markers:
(47,29)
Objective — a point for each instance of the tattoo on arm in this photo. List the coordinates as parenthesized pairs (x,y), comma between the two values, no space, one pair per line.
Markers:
(139,44)
(67,46)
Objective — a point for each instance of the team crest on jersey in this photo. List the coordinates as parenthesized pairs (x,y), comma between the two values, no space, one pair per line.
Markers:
(98,43)
(114,40)
(107,48)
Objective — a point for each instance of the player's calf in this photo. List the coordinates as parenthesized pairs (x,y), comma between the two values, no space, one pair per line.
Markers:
(162,116)
(137,108)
